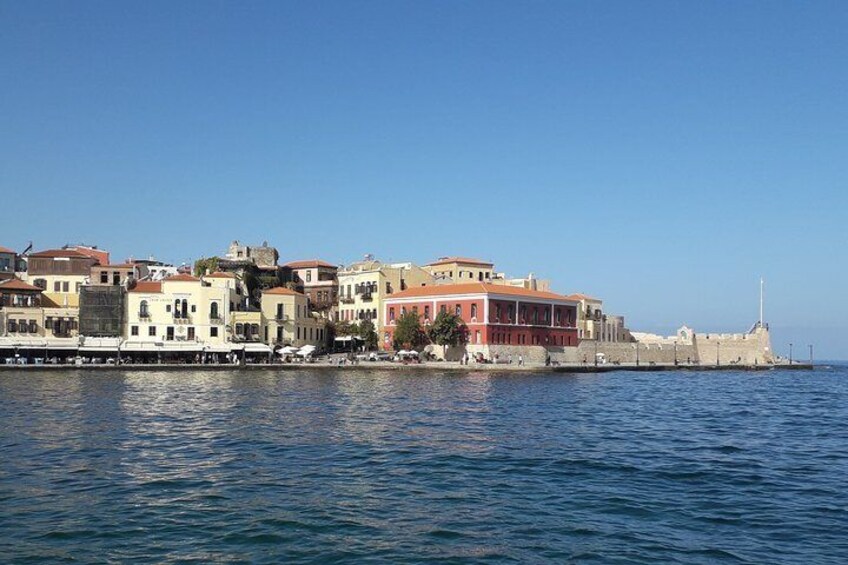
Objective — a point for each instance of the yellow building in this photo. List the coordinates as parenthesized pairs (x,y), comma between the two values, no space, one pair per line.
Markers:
(365,284)
(181,313)
(458,270)
(288,320)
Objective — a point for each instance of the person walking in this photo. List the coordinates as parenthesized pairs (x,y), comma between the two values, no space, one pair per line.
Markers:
(520,360)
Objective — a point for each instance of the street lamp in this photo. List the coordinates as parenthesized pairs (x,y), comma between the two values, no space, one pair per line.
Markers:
(675,353)
(718,357)
(790,353)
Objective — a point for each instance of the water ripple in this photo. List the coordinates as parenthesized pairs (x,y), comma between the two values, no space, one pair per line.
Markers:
(340,467)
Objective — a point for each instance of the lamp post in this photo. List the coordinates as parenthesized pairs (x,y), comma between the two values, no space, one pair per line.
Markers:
(790,353)
(675,353)
(718,356)
(637,353)
(596,351)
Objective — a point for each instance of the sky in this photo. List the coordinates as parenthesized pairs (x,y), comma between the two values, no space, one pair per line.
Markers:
(662,156)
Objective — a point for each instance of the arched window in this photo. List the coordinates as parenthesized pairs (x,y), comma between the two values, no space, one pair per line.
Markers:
(143,311)
(473,311)
(213,311)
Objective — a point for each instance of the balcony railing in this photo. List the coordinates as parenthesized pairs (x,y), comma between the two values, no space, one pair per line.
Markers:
(182,319)
(346,299)
(216,320)
(366,297)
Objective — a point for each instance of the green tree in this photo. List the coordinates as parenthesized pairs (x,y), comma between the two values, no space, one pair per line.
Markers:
(408,332)
(205,263)
(368,334)
(343,327)
(448,330)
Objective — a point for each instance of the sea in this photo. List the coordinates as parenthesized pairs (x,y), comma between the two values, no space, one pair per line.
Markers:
(351,466)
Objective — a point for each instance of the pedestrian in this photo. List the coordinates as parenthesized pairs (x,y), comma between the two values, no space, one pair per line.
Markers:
(520,360)
(509,358)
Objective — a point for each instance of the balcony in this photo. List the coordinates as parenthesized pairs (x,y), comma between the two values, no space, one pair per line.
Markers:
(182,319)
(366,297)
(216,320)
(346,299)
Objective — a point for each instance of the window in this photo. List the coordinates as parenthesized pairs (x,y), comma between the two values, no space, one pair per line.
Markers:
(459,310)
(143,311)
(510,314)
(104,277)
(33,327)
(66,286)
(298,332)
(191,334)
(151,331)
(169,333)
(13,326)
(477,338)
(279,311)
(239,329)
(309,276)
(213,332)
(167,308)
(473,311)
(213,311)
(279,333)
(78,288)
(193,308)
(134,330)
(391,314)
(403,310)
(426,312)
(116,278)
(57,286)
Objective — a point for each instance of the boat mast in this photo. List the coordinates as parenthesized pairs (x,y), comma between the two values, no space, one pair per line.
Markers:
(761,302)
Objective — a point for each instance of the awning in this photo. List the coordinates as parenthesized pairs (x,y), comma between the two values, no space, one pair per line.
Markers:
(140,346)
(218,349)
(93,349)
(257,348)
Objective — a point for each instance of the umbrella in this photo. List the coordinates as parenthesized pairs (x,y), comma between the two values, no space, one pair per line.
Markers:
(287,350)
(413,353)
(403,352)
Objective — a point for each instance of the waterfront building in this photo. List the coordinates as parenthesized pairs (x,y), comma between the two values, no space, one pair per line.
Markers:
(180,314)
(100,255)
(530,282)
(448,270)
(152,269)
(8,263)
(60,273)
(499,319)
(594,324)
(318,280)
(263,256)
(26,313)
(364,285)
(288,320)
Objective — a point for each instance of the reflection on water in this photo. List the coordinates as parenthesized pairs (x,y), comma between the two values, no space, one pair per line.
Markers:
(263,466)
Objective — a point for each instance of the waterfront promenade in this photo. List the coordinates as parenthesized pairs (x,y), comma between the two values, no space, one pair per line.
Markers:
(429,366)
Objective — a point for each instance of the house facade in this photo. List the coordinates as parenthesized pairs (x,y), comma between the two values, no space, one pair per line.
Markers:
(319,281)
(364,285)
(495,316)
(287,319)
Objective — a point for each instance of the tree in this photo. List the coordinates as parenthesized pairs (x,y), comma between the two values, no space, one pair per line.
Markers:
(343,327)
(448,330)
(205,264)
(368,334)
(408,332)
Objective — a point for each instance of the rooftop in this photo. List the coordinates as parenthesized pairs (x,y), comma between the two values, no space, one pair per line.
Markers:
(476,288)
(281,290)
(69,253)
(18,284)
(147,287)
(182,277)
(5,250)
(308,264)
(220,275)
(461,260)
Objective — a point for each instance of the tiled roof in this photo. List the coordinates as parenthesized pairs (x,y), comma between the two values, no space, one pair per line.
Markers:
(182,277)
(462,260)
(475,288)
(147,287)
(220,275)
(5,250)
(17,284)
(70,253)
(581,296)
(282,290)
(308,264)
(121,266)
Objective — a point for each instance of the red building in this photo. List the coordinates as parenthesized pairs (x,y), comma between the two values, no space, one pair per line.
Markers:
(494,314)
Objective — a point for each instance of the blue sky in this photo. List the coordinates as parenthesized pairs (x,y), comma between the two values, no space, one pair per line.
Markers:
(660,155)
